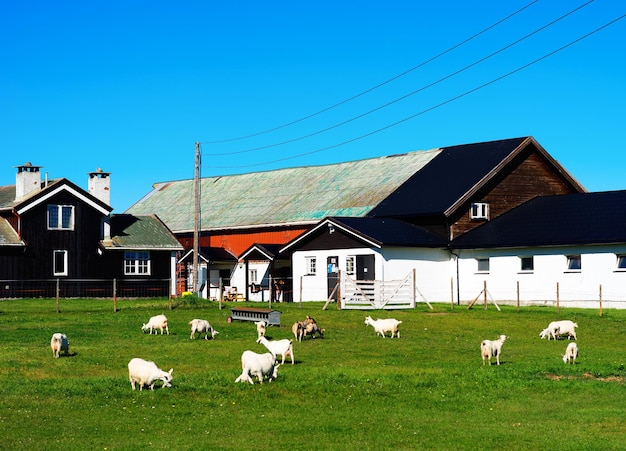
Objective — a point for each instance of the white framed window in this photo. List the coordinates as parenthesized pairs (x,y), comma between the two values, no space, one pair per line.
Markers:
(482,264)
(621,262)
(60,217)
(137,262)
(527,264)
(311,266)
(253,276)
(59,262)
(574,263)
(350,265)
(479,210)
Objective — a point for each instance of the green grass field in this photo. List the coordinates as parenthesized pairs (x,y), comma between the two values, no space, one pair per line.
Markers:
(349,390)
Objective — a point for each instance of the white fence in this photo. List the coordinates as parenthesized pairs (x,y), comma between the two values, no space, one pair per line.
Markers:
(378,294)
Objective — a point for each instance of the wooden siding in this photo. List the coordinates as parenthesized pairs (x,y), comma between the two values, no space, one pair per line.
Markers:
(326,241)
(237,242)
(527,177)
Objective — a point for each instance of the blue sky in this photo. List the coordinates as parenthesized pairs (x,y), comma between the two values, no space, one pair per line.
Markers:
(130,87)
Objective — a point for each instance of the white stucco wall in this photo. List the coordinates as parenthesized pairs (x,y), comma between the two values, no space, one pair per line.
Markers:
(432,270)
(539,286)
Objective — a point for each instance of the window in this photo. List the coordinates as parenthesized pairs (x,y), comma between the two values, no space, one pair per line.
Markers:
(483,264)
(350,265)
(252,276)
(479,210)
(574,263)
(621,262)
(527,264)
(59,263)
(137,262)
(60,217)
(311,264)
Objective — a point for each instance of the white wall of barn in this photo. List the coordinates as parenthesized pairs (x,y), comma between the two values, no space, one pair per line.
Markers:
(598,276)
(432,270)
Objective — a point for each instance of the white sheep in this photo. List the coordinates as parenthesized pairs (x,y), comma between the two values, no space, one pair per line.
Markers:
(58,343)
(261,328)
(571,352)
(156,322)
(278,347)
(557,328)
(201,326)
(492,348)
(257,365)
(381,326)
(147,373)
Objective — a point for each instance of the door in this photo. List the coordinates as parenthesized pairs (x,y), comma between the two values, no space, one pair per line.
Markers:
(332,270)
(365,267)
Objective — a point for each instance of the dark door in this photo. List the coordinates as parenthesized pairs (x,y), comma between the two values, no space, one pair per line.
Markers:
(332,270)
(365,267)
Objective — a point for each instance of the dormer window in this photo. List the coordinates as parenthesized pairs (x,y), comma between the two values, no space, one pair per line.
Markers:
(479,210)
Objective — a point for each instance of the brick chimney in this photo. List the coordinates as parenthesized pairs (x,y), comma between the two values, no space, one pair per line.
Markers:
(100,185)
(27,180)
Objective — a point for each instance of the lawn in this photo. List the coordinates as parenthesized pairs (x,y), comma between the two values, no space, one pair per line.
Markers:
(349,390)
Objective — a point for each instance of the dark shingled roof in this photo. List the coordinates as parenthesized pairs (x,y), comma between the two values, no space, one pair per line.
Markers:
(447,178)
(573,219)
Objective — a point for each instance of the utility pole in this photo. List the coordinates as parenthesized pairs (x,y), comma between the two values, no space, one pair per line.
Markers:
(196,219)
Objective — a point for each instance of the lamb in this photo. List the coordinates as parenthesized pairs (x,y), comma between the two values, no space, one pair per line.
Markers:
(557,328)
(492,348)
(201,326)
(58,343)
(311,329)
(571,352)
(259,365)
(261,328)
(298,330)
(278,347)
(381,326)
(156,322)
(147,373)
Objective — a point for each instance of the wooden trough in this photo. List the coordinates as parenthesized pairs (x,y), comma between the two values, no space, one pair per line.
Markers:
(271,317)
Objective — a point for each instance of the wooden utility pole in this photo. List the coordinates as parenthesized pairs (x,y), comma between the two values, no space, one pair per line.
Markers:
(196,220)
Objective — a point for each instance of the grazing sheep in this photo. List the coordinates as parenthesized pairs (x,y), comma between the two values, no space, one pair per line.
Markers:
(59,343)
(278,347)
(147,373)
(571,352)
(259,365)
(201,326)
(261,328)
(557,328)
(298,330)
(312,329)
(156,322)
(492,348)
(381,326)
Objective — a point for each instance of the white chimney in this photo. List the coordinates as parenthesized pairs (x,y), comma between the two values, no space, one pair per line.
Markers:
(27,180)
(100,185)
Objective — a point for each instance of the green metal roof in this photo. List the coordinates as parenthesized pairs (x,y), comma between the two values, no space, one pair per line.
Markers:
(285,196)
(8,235)
(140,232)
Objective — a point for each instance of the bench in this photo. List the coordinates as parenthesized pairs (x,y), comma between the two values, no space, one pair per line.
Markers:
(271,317)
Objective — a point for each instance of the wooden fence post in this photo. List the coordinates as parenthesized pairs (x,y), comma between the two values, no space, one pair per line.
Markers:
(485,293)
(451,293)
(57,295)
(114,295)
(600,299)
(301,279)
(220,295)
(558,307)
(169,290)
(518,295)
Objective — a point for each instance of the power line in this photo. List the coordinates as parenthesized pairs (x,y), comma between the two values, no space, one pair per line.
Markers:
(423,88)
(466,93)
(367,91)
